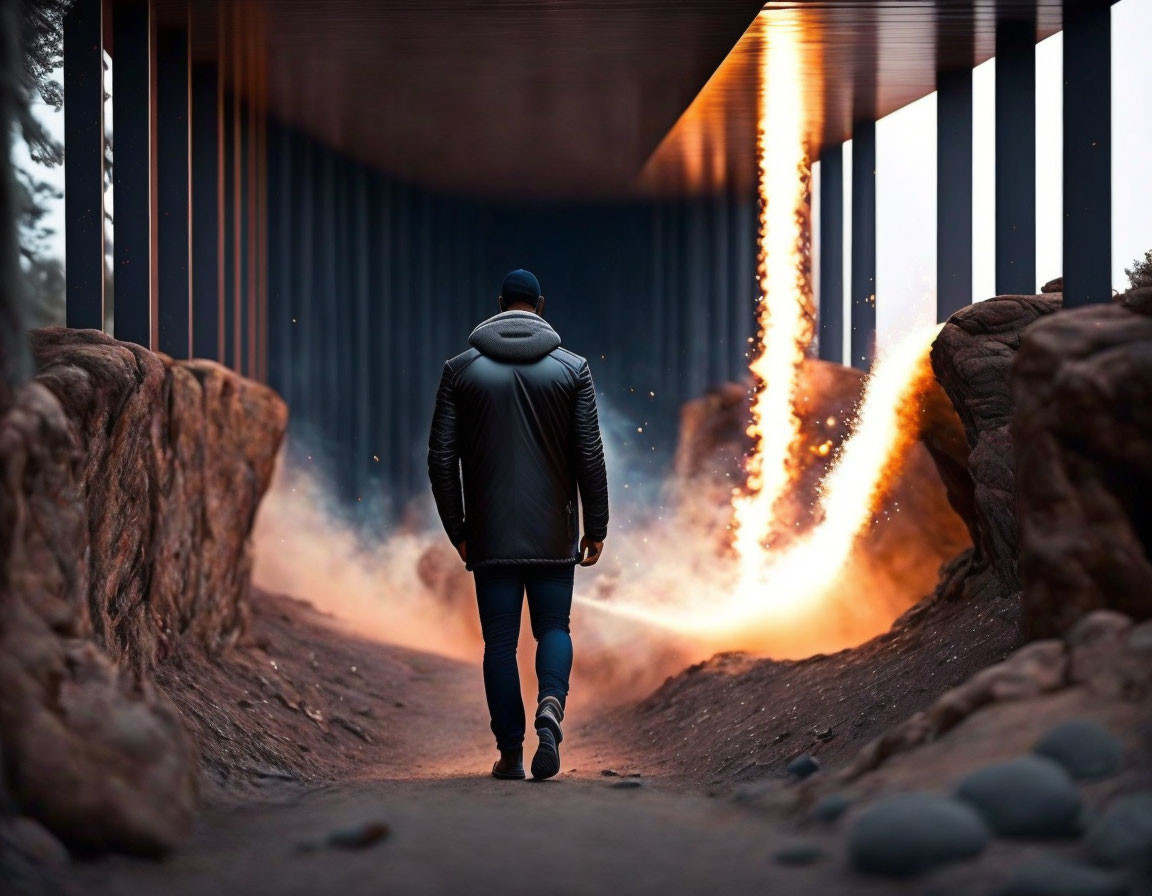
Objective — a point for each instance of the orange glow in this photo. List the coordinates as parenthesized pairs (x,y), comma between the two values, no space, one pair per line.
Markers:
(783,583)
(792,589)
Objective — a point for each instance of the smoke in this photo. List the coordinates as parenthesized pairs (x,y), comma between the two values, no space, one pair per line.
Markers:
(305,546)
(664,595)
(406,586)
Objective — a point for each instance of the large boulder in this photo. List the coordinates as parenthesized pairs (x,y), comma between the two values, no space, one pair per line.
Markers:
(175,458)
(972,359)
(129,484)
(1083,446)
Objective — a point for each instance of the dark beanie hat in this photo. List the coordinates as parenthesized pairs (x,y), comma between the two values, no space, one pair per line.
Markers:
(520,286)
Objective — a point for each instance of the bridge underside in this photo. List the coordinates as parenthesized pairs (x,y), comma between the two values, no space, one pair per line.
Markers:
(293,176)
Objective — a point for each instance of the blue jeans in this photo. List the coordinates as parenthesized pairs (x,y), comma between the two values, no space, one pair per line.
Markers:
(499,595)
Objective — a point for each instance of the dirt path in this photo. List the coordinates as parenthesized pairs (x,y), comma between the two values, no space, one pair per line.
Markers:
(311,730)
(452,828)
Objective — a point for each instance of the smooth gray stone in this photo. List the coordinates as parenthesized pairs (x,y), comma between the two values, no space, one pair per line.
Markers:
(1055,877)
(803,766)
(831,807)
(1027,797)
(802,853)
(1123,834)
(1084,748)
(912,832)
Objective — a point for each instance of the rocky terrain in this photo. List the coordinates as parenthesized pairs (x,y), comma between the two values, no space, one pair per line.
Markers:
(950,754)
(1061,398)
(129,488)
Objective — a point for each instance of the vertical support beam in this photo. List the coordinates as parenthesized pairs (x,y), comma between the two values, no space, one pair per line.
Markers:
(832,254)
(1088,153)
(228,225)
(205,212)
(953,191)
(133,111)
(84,168)
(1016,157)
(863,285)
(173,188)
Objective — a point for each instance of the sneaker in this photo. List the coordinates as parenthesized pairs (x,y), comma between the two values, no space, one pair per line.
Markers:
(549,714)
(546,762)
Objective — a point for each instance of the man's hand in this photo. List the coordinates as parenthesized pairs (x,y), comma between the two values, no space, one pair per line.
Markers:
(590,551)
(462,550)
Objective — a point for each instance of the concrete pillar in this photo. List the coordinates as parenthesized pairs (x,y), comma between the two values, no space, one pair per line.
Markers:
(831,299)
(206,200)
(173,239)
(863,285)
(84,169)
(1016,157)
(1088,153)
(953,191)
(133,172)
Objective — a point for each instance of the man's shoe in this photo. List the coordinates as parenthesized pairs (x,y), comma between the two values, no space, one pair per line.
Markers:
(549,715)
(510,765)
(546,762)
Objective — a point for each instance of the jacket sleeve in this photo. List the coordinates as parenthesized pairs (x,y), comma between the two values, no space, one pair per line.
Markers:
(591,477)
(444,461)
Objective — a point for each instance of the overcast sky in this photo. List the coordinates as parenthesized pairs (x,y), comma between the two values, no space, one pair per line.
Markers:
(906,177)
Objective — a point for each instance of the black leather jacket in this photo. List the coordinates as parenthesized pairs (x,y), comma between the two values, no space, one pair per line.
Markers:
(517,415)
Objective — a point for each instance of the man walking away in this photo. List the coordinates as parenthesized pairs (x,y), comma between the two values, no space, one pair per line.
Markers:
(516,415)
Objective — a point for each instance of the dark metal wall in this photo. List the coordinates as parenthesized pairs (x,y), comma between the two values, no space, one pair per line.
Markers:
(373,284)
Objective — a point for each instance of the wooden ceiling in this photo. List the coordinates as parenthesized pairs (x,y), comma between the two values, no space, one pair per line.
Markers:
(575,99)
(504,98)
(858,60)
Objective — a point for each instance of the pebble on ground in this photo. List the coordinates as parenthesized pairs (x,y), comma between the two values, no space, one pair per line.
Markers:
(909,833)
(1056,877)
(799,853)
(1026,797)
(830,807)
(1085,749)
(1123,834)
(803,766)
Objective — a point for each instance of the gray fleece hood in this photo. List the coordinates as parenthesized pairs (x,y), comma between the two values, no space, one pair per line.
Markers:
(514,336)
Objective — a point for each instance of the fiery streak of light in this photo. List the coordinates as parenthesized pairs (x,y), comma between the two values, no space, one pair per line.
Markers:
(793,583)
(855,486)
(785,312)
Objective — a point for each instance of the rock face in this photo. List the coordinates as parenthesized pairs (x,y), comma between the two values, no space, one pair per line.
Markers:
(1103,662)
(129,486)
(972,359)
(1057,408)
(176,456)
(1082,431)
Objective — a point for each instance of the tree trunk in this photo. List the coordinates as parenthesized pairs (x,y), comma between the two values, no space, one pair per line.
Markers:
(14,357)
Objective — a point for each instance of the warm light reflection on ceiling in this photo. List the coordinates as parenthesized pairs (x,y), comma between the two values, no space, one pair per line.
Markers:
(702,153)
